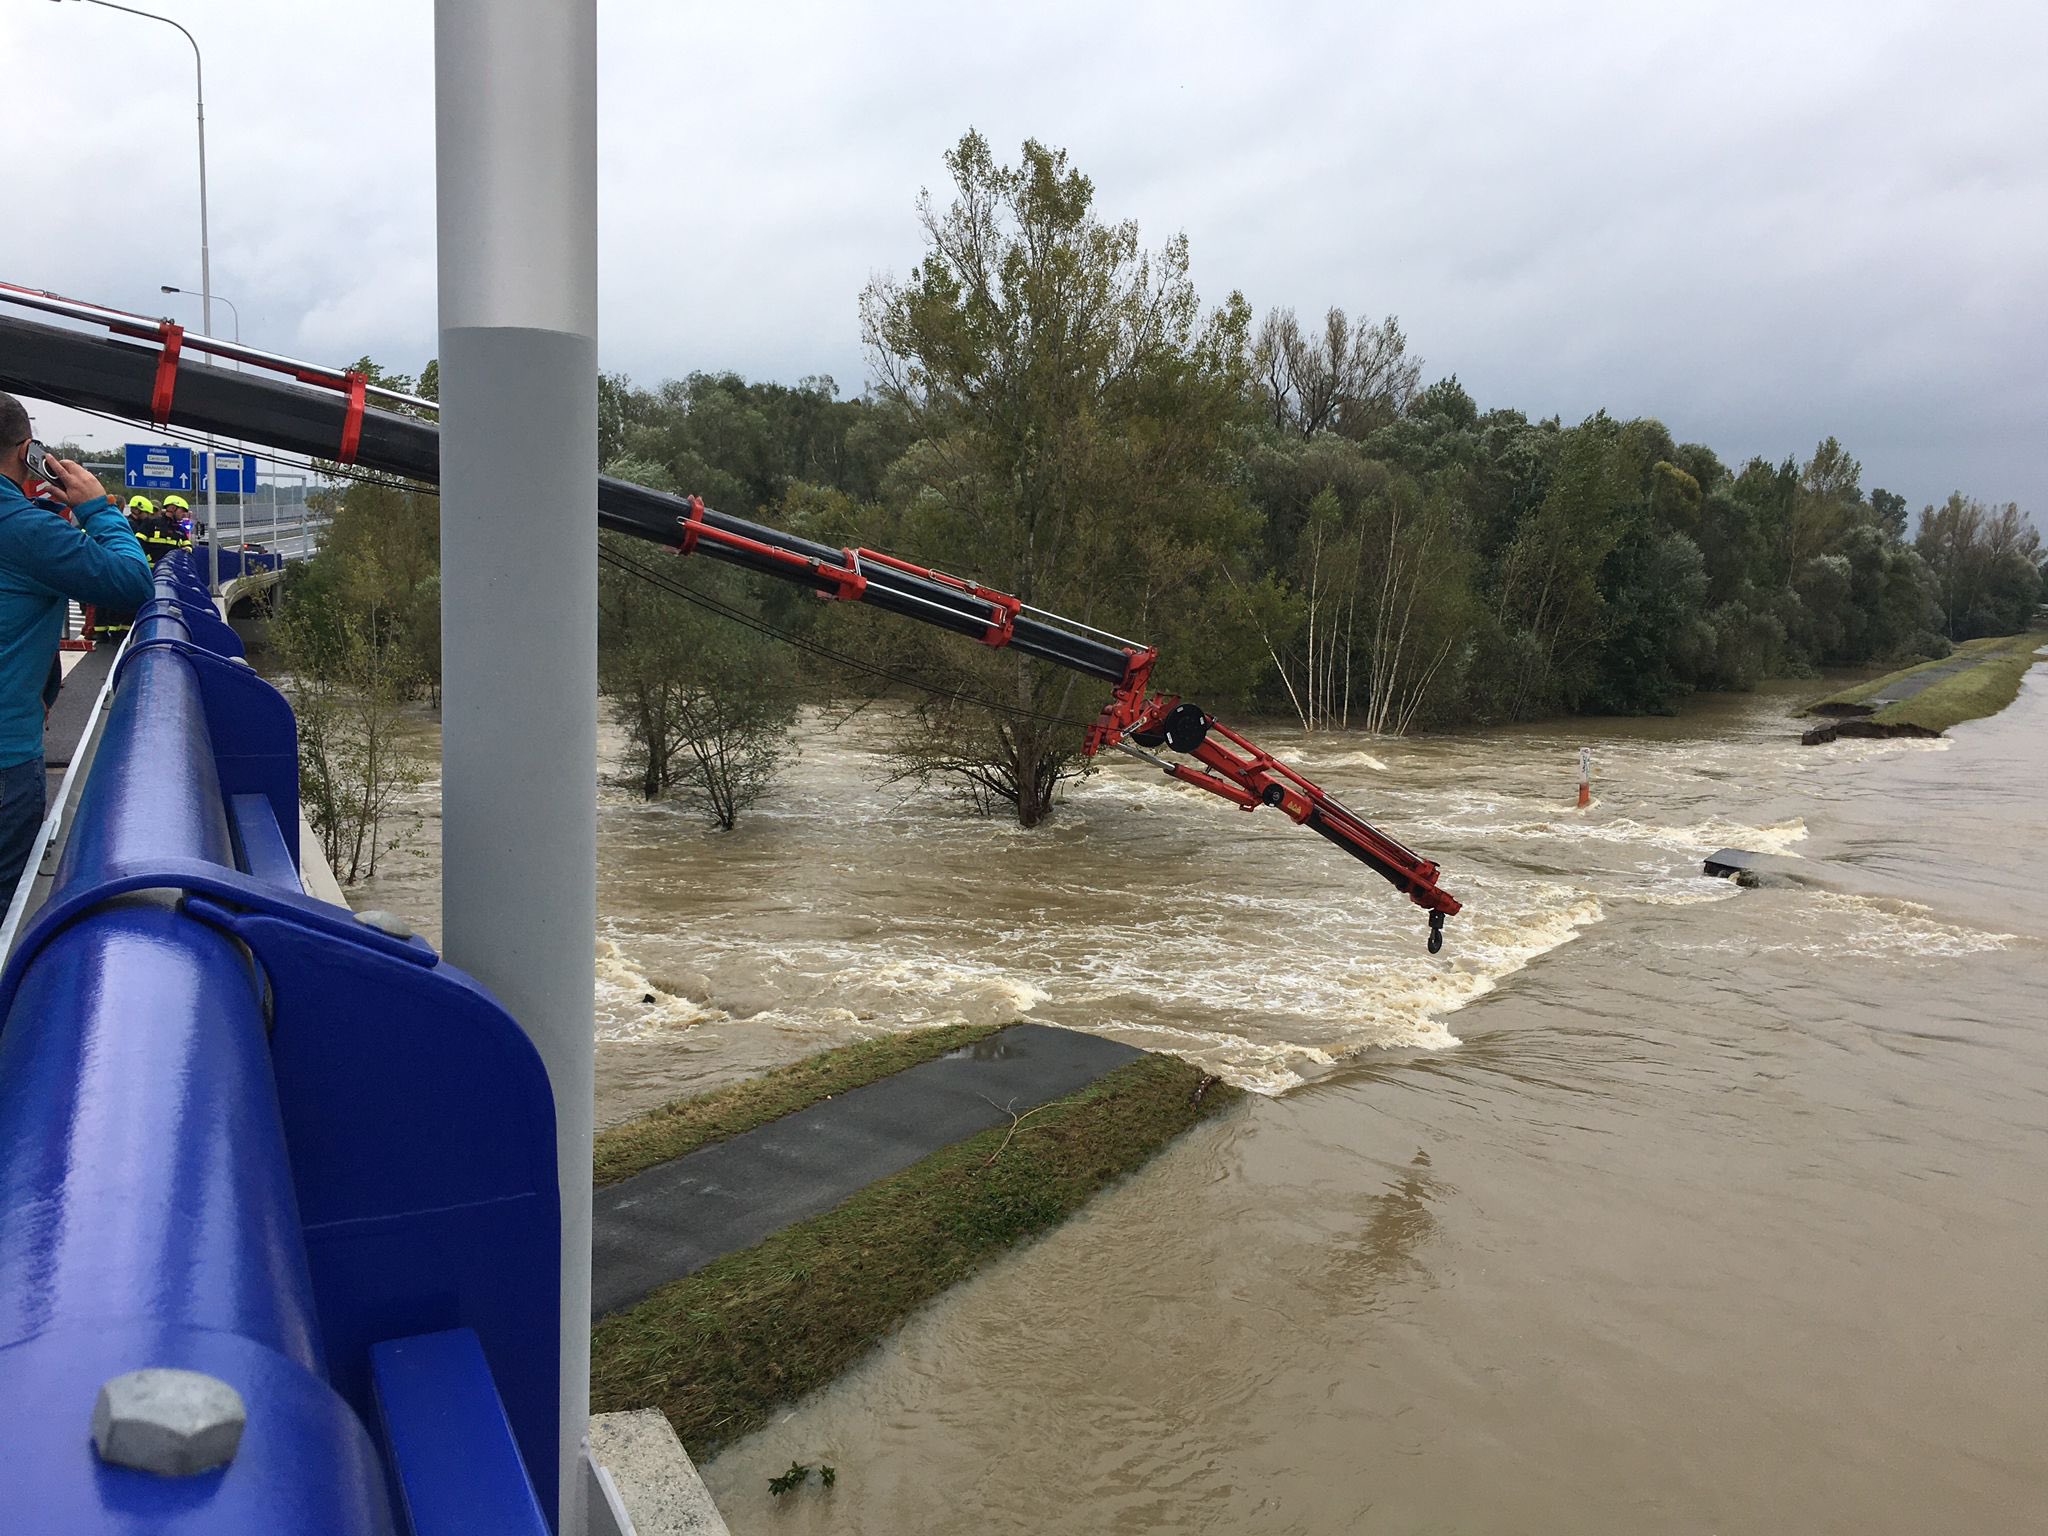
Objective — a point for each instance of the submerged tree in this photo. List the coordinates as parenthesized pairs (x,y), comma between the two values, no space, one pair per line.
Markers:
(348,679)
(360,637)
(707,702)
(1072,408)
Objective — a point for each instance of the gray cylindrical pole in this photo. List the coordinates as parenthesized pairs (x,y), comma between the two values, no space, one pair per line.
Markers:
(205,268)
(212,521)
(206,323)
(516,161)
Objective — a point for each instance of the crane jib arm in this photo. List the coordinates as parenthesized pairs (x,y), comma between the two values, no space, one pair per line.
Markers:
(145,372)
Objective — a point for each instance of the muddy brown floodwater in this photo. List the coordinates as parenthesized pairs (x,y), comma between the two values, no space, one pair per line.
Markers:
(1651,1205)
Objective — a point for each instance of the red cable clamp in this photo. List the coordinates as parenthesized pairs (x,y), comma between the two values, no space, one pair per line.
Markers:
(1002,629)
(692,521)
(173,338)
(352,424)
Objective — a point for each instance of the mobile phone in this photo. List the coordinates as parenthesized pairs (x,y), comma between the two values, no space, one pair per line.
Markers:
(39,463)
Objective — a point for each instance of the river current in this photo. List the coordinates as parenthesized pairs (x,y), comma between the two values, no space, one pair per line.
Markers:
(1650,1205)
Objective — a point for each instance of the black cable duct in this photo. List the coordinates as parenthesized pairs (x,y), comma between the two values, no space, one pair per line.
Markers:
(119,377)
(664,582)
(109,374)
(653,575)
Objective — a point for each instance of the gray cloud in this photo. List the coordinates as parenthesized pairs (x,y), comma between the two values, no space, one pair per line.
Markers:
(1761,223)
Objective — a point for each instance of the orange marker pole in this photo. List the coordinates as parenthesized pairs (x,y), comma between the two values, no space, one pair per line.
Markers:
(1585,777)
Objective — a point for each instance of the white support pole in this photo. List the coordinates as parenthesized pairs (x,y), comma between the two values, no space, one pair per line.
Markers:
(205,268)
(206,323)
(516,160)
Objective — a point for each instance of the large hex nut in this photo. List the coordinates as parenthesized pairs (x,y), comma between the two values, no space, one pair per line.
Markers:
(170,1422)
(386,922)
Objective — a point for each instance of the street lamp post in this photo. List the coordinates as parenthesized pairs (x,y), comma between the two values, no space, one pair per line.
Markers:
(232,310)
(205,266)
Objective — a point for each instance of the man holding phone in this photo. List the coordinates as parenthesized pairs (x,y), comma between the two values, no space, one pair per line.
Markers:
(46,561)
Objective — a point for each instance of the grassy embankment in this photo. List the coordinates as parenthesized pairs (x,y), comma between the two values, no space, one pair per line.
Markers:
(1986,686)
(717,1351)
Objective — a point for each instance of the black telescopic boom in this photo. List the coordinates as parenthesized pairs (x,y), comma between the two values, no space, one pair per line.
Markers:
(145,383)
(105,373)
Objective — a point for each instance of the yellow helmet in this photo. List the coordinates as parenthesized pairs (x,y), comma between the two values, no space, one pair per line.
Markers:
(142,505)
(177,501)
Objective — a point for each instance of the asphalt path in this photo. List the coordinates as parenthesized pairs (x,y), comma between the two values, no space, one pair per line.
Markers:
(673,1220)
(1904,688)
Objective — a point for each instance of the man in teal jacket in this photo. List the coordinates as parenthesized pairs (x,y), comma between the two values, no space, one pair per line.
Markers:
(45,561)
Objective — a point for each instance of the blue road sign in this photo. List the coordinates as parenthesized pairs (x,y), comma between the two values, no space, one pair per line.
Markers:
(158,466)
(237,474)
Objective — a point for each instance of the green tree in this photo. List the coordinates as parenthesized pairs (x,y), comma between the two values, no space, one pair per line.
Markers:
(1889,509)
(379,563)
(707,702)
(1985,564)
(1072,409)
(1658,638)
(1550,594)
(740,445)
(1344,378)
(1378,564)
(1414,606)
(348,682)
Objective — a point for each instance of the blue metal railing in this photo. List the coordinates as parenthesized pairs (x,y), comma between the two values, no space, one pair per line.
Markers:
(244,1135)
(236,563)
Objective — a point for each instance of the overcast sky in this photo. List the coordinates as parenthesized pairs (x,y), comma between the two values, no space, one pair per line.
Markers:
(1761,223)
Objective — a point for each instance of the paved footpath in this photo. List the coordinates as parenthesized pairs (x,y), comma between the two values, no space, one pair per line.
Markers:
(1903,688)
(674,1219)
(72,712)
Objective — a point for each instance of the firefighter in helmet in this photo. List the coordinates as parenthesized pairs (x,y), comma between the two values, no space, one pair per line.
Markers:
(109,624)
(177,517)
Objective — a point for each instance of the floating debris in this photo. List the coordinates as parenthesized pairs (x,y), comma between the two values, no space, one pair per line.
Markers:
(1737,864)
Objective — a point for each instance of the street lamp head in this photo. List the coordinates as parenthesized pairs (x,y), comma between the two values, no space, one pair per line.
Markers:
(165,287)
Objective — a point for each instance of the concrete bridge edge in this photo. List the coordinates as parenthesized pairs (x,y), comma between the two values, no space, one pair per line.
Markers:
(642,1482)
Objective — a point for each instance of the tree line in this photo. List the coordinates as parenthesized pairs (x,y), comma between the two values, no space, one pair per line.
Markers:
(1283,507)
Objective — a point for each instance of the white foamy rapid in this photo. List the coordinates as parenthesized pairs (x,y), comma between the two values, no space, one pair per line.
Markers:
(846,906)
(631,1005)
(1147,912)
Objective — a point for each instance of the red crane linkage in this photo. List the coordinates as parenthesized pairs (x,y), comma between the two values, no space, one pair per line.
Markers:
(1135,721)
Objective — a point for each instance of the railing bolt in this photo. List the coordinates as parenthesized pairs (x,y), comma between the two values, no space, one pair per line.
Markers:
(170,1422)
(386,922)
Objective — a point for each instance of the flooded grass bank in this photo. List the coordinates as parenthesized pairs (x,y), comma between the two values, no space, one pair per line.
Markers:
(718,1351)
(1928,699)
